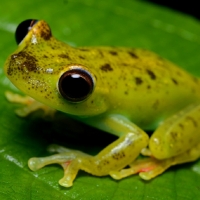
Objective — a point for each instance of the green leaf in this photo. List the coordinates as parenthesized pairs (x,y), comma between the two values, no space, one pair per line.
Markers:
(90,23)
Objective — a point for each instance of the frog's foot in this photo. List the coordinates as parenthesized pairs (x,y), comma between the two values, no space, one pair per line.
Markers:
(147,168)
(54,148)
(30,105)
(17,98)
(151,167)
(70,160)
(66,161)
(114,157)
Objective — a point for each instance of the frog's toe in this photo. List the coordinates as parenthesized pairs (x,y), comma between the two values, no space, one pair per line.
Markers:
(17,98)
(70,161)
(54,148)
(149,168)
(35,163)
(65,182)
(30,105)
(117,175)
(71,169)
(136,167)
(154,170)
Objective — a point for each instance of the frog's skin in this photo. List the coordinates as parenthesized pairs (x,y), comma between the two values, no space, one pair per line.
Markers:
(134,90)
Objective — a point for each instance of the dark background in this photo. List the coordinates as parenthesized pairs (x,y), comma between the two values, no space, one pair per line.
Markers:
(188,7)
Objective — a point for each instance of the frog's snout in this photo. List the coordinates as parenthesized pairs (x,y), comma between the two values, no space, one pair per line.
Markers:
(21,62)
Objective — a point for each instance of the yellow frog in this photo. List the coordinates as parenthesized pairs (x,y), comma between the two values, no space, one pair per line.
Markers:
(123,91)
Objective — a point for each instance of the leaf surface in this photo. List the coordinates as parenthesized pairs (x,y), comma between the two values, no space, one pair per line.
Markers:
(90,23)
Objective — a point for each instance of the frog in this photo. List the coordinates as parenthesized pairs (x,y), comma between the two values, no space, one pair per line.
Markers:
(123,91)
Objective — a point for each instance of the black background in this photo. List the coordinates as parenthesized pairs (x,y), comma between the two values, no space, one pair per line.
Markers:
(188,7)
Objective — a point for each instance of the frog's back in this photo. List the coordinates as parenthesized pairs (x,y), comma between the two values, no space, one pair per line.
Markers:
(140,81)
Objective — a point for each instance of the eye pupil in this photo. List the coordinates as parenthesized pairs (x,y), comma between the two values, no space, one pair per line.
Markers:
(23,28)
(75,85)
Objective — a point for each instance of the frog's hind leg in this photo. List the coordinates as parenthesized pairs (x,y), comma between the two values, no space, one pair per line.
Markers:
(159,166)
(151,167)
(175,141)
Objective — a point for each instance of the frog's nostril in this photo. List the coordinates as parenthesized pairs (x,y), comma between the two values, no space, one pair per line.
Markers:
(23,28)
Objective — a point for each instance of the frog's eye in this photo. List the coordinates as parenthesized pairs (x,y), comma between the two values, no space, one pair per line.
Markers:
(76,85)
(23,28)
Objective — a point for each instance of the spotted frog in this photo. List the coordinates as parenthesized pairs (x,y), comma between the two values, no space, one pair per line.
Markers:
(122,91)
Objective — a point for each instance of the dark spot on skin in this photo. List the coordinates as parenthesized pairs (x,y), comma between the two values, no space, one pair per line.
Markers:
(114,53)
(138,81)
(195,80)
(124,64)
(81,57)
(101,54)
(156,104)
(193,90)
(64,56)
(45,32)
(148,87)
(106,67)
(99,167)
(178,73)
(118,156)
(45,56)
(84,49)
(178,151)
(181,126)
(151,74)
(136,67)
(193,121)
(105,162)
(133,55)
(22,61)
(190,140)
(160,58)
(175,81)
(126,93)
(174,135)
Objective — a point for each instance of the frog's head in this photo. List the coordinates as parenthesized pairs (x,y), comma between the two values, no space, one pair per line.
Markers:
(47,70)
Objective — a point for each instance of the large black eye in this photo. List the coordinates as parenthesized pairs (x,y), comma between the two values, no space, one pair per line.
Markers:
(76,85)
(23,28)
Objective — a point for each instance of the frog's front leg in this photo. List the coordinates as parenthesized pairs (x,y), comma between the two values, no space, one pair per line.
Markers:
(29,105)
(176,141)
(113,158)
